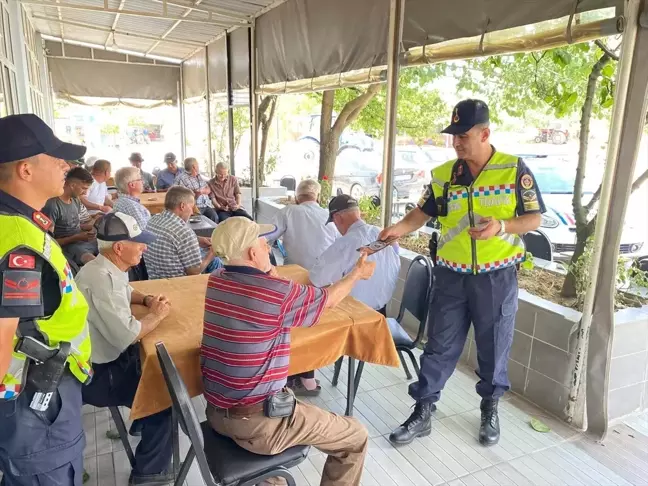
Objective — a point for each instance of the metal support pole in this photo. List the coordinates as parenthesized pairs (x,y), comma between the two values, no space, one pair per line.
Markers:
(210,157)
(20,57)
(254,122)
(396,14)
(599,350)
(183,129)
(230,107)
(576,401)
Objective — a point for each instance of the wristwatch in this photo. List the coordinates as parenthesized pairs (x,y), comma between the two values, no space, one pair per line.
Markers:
(502,228)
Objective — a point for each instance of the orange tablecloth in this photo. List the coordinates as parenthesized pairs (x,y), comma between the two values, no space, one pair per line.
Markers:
(350,329)
(154,202)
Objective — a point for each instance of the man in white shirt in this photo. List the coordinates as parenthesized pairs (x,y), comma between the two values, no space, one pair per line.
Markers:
(115,334)
(97,199)
(341,256)
(302,226)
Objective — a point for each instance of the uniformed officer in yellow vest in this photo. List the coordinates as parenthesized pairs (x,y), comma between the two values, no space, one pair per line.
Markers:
(484,200)
(42,315)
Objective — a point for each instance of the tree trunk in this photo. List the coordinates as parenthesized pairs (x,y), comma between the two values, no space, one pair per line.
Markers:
(584,229)
(330,132)
(265,122)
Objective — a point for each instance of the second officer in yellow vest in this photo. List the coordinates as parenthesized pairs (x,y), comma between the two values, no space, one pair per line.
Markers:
(42,315)
(484,200)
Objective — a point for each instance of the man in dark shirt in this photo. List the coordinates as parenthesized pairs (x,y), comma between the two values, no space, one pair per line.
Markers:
(136,160)
(78,240)
(484,200)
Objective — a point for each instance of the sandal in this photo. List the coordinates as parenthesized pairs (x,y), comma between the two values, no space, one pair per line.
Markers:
(301,391)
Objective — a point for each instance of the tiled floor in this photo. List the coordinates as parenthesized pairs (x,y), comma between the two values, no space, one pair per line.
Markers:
(450,455)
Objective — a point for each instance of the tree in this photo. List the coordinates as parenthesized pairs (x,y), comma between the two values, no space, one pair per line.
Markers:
(559,82)
(267,109)
(420,109)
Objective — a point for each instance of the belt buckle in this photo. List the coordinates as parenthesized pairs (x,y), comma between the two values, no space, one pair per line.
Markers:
(227,413)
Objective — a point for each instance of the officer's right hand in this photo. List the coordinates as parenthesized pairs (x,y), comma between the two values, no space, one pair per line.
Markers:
(389,233)
(160,307)
(364,268)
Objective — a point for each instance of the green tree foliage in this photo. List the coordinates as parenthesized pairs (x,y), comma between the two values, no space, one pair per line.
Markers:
(578,79)
(420,111)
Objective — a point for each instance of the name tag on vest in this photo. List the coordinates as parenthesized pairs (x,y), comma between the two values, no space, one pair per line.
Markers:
(501,200)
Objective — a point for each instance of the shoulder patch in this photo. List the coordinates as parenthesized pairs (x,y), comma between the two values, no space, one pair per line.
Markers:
(21,288)
(17,260)
(526,181)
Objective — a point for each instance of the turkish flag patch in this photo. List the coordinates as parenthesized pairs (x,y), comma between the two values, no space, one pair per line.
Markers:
(21,287)
(22,261)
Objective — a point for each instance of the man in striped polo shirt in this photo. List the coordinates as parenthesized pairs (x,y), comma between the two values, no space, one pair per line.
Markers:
(249,312)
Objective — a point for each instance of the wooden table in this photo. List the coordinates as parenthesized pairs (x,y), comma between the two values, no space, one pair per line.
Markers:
(153,201)
(350,329)
(202,225)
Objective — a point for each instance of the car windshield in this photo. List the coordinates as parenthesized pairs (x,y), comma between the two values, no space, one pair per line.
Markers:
(557,176)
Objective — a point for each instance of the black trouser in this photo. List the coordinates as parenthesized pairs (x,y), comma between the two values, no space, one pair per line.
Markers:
(223,215)
(489,301)
(209,213)
(115,384)
(38,448)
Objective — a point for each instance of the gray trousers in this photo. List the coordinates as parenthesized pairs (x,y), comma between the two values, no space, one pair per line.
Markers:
(43,448)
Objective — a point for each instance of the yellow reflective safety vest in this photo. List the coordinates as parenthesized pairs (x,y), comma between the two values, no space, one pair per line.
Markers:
(68,323)
(492,194)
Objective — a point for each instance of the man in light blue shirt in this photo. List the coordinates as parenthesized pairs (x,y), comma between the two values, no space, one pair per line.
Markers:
(302,227)
(130,185)
(341,256)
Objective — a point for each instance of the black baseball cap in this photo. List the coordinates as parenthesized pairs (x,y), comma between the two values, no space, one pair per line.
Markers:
(466,115)
(122,227)
(26,135)
(136,157)
(169,157)
(340,203)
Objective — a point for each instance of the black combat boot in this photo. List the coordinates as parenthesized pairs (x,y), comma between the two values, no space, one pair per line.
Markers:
(417,425)
(489,431)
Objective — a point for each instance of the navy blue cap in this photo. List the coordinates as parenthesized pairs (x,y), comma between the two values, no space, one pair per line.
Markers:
(119,226)
(340,203)
(23,136)
(466,115)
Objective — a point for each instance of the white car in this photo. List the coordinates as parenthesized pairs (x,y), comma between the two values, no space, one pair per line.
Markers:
(555,177)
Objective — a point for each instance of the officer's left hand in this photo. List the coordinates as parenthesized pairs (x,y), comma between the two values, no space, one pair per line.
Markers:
(487,228)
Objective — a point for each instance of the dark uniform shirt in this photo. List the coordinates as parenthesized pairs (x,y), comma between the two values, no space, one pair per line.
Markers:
(49,281)
(529,199)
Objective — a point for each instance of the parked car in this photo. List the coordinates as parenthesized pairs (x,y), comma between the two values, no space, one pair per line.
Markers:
(555,177)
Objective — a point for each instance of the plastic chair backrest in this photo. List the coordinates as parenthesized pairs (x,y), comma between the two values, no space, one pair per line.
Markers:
(417,291)
(288,182)
(538,245)
(184,408)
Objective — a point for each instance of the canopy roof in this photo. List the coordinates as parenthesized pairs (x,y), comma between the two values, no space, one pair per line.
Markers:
(176,29)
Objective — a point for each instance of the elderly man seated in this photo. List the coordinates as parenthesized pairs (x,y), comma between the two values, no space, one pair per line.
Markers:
(340,257)
(191,179)
(226,194)
(176,252)
(130,185)
(303,227)
(167,177)
(115,333)
(136,160)
(75,238)
(249,312)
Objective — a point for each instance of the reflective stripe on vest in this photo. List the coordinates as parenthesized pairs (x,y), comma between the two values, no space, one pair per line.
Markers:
(492,194)
(68,323)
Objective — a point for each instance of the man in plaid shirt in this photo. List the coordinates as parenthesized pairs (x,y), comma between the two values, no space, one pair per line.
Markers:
(191,179)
